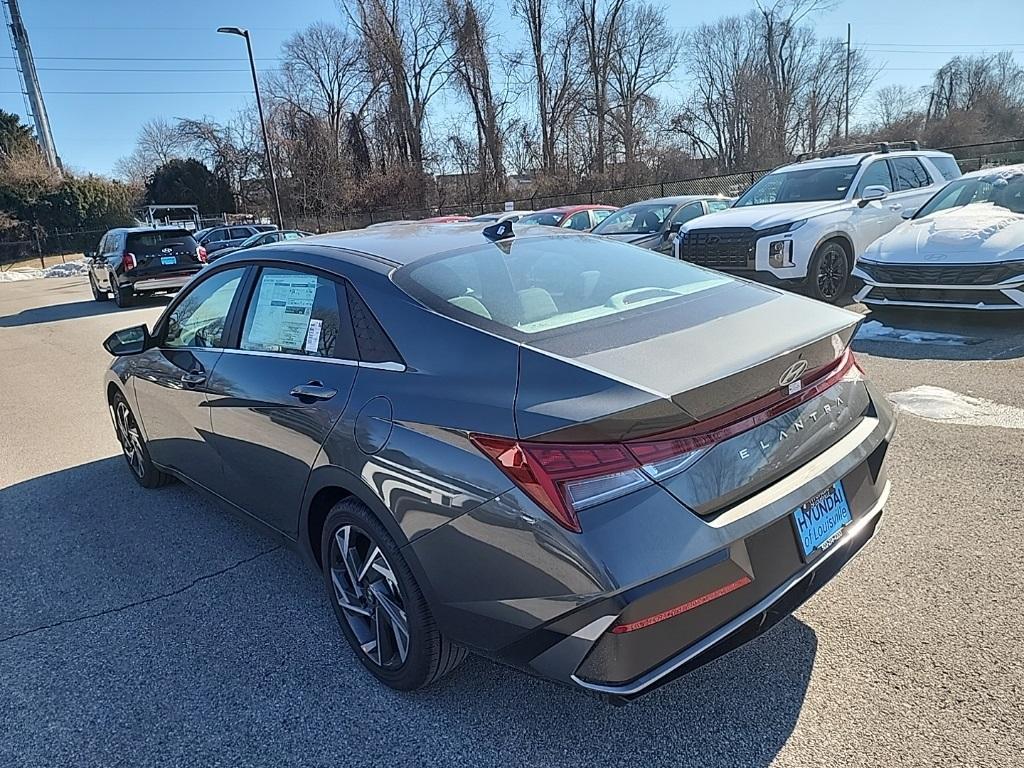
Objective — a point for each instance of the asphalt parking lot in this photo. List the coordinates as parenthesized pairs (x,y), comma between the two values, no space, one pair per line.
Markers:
(154,628)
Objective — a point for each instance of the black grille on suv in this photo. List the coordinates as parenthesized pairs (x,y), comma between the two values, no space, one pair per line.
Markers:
(725,248)
(943,274)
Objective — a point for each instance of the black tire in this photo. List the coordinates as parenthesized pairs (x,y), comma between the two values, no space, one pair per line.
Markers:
(429,655)
(97,294)
(124,295)
(133,446)
(829,272)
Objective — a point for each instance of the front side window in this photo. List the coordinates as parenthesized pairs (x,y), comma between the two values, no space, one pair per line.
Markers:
(579,221)
(796,185)
(539,284)
(635,220)
(909,174)
(295,313)
(876,175)
(691,211)
(544,218)
(199,319)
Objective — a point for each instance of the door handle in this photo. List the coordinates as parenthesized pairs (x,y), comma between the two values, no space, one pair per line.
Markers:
(314,390)
(193,379)
(895,207)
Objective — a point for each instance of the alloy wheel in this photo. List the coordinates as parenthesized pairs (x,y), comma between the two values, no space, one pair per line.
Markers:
(130,438)
(368,593)
(832,271)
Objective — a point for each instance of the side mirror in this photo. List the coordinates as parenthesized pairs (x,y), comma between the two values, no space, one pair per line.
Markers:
(89,255)
(908,214)
(872,193)
(675,227)
(129,341)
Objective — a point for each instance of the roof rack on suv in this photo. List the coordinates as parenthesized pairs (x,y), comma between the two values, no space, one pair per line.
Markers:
(878,146)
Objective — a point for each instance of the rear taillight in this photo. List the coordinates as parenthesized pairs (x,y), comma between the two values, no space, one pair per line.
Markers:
(201,254)
(128,260)
(565,478)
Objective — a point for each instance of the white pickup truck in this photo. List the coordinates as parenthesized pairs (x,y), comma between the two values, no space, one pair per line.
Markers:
(805,224)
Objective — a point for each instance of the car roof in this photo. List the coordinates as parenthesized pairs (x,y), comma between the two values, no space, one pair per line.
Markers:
(411,242)
(577,208)
(675,200)
(136,230)
(855,158)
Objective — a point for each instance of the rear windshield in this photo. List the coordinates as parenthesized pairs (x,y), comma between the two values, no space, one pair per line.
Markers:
(142,241)
(536,284)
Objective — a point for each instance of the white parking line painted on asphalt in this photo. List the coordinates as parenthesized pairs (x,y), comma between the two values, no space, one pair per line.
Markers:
(938,404)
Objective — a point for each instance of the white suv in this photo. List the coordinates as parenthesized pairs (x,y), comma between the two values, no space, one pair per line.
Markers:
(811,220)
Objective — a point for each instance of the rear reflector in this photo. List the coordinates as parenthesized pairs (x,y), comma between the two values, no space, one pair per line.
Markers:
(564,478)
(689,605)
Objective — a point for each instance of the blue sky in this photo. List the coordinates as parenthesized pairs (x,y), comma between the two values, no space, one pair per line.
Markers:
(92,130)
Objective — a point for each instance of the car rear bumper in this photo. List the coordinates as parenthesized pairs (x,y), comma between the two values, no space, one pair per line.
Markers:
(755,576)
(163,282)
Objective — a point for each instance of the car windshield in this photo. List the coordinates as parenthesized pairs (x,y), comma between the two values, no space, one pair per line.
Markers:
(545,218)
(150,242)
(796,185)
(1001,191)
(535,284)
(645,219)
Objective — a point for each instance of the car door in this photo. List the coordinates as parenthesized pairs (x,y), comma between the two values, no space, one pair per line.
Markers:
(171,379)
(278,394)
(875,218)
(97,265)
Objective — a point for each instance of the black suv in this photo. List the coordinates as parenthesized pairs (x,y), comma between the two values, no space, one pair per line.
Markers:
(140,260)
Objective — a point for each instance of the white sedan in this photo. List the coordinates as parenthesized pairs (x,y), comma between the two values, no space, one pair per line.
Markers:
(963,249)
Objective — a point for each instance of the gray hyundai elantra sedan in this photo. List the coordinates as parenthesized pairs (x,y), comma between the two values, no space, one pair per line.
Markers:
(565,453)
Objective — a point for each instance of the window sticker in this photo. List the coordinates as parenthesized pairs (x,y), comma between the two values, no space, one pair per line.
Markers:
(313,337)
(283,310)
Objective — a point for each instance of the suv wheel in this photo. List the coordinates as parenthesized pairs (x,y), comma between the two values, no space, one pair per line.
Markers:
(133,445)
(123,295)
(378,604)
(97,294)
(829,272)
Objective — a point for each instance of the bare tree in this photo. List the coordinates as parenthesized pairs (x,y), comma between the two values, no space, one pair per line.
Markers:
(599,21)
(472,67)
(159,141)
(645,55)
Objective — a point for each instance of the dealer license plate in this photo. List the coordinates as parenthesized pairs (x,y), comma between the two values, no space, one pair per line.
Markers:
(819,522)
(168,260)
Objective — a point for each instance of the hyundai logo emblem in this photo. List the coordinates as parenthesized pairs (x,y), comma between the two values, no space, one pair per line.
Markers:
(793,373)
(712,239)
(166,250)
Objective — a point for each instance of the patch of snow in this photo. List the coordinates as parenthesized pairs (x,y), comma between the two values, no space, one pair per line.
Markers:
(938,404)
(873,330)
(70,269)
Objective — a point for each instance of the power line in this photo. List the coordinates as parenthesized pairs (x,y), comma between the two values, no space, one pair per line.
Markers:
(129,70)
(131,93)
(144,58)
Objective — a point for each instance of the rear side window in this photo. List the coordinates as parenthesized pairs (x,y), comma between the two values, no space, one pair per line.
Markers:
(909,173)
(374,344)
(718,205)
(296,313)
(579,221)
(240,233)
(539,284)
(947,167)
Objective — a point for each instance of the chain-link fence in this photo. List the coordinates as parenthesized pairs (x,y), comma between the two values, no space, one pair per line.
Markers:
(969,156)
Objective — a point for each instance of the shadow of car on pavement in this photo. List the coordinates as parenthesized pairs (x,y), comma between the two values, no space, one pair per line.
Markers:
(163,605)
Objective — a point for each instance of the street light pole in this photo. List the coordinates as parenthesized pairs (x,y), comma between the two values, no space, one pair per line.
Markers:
(263,122)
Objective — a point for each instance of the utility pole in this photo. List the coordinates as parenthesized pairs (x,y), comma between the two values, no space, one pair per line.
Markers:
(30,83)
(846,89)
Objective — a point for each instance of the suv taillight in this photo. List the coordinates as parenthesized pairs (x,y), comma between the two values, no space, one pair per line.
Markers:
(201,254)
(128,259)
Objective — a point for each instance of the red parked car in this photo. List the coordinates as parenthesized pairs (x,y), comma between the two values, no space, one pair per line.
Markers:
(453,219)
(578,217)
